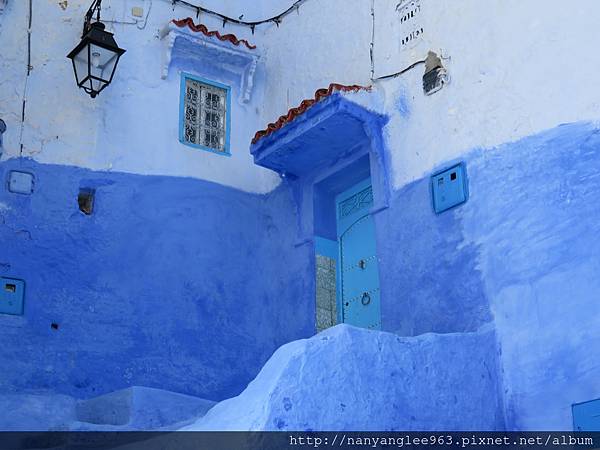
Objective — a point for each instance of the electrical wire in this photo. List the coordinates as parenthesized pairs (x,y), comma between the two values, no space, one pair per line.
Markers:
(239,21)
(135,22)
(394,75)
(278,19)
(372,46)
(30,19)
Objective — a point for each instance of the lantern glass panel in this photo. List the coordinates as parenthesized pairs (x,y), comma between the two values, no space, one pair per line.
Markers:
(80,63)
(103,62)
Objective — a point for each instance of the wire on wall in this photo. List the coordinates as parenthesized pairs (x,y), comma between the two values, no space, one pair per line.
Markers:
(139,23)
(279,18)
(295,7)
(29,20)
(372,46)
(406,69)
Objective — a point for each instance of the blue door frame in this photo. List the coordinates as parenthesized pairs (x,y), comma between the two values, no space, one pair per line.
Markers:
(358,270)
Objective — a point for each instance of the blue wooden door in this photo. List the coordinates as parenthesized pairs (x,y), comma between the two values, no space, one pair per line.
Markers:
(358,278)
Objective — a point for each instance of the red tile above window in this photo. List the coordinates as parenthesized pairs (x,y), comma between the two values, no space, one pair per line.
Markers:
(200,28)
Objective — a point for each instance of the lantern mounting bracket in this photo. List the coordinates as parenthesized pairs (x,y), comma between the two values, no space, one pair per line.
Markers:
(95,8)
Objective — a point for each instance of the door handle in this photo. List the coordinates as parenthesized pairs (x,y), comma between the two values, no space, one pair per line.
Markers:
(366,299)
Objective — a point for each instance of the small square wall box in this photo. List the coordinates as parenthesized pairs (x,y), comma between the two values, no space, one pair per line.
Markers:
(20,182)
(137,11)
(586,416)
(449,188)
(12,294)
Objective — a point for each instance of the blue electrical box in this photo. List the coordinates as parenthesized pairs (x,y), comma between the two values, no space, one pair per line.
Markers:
(586,416)
(449,188)
(20,182)
(12,293)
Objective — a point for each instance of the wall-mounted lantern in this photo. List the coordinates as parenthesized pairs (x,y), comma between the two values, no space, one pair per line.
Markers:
(96,57)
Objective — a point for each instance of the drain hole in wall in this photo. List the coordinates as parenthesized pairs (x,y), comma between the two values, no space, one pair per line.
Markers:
(10,288)
(86,201)
(54,326)
(453,176)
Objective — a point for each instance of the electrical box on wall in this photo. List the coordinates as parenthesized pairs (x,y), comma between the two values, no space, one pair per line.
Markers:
(435,76)
(20,182)
(449,188)
(586,416)
(12,294)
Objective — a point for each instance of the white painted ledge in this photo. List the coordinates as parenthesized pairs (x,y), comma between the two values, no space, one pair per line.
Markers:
(221,55)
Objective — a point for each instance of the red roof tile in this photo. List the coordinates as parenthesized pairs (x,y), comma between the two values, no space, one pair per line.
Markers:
(200,28)
(305,105)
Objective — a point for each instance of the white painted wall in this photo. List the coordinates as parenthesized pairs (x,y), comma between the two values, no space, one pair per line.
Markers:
(133,125)
(516,68)
(325,42)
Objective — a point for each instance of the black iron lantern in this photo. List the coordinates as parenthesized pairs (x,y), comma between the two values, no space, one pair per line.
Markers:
(96,57)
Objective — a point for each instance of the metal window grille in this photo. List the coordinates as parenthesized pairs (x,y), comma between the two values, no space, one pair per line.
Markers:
(357,202)
(205,115)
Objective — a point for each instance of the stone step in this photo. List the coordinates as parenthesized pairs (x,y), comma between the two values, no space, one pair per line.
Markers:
(141,408)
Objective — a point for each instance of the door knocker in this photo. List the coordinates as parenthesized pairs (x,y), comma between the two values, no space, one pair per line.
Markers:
(366,299)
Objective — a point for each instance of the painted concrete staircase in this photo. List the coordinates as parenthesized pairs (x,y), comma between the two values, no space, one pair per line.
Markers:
(347,378)
(344,378)
(139,408)
(134,408)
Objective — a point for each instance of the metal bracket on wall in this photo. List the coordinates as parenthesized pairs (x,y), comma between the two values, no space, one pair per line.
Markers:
(2,130)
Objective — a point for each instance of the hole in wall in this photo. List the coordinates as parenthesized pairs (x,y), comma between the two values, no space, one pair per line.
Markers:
(9,287)
(85,199)
(453,176)
(54,326)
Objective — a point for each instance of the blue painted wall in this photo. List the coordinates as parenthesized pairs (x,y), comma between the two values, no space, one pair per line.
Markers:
(172,283)
(429,281)
(189,286)
(524,253)
(535,216)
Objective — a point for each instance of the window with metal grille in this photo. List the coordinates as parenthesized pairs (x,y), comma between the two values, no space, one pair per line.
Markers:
(205,108)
